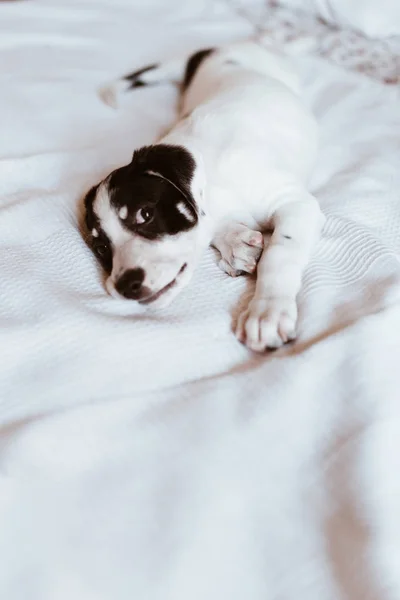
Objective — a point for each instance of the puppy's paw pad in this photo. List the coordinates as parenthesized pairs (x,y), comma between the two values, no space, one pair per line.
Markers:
(253,238)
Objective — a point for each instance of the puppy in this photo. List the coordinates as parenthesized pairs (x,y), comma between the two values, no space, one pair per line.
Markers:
(235,165)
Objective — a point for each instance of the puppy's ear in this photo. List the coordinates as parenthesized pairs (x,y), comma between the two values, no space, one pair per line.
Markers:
(90,197)
(172,162)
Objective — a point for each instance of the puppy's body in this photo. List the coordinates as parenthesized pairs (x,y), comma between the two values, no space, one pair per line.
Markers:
(248,130)
(247,147)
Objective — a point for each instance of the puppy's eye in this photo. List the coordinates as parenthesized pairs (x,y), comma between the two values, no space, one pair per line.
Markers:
(144,215)
(101,250)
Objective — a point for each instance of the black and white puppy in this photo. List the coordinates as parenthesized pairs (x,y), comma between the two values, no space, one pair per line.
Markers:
(236,163)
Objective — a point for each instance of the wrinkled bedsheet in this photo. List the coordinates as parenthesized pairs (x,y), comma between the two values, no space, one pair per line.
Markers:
(147,454)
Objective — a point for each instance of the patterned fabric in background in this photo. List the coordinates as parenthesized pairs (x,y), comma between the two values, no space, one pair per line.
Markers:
(376,58)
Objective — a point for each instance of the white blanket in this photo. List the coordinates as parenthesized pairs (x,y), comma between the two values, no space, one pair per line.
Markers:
(148,455)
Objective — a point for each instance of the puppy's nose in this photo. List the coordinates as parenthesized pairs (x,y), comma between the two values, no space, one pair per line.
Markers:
(130,284)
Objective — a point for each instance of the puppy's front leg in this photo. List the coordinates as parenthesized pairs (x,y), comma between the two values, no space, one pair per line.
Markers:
(270,319)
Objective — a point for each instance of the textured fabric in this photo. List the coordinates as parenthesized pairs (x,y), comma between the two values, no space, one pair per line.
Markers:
(148,455)
(375,18)
(345,46)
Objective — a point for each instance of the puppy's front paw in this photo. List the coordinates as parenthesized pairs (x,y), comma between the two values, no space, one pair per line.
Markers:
(240,249)
(267,323)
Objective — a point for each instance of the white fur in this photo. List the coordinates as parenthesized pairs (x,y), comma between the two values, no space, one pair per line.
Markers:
(254,143)
(108,217)
(123,212)
(183,209)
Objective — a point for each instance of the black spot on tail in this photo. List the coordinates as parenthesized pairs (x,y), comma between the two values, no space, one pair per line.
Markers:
(193,64)
(134,78)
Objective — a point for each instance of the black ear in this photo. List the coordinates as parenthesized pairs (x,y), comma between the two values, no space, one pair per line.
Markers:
(172,162)
(90,197)
(88,201)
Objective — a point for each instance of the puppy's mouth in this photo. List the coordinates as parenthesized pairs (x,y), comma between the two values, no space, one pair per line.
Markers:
(163,290)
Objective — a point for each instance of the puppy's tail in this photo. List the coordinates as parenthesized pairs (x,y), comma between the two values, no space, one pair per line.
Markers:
(172,71)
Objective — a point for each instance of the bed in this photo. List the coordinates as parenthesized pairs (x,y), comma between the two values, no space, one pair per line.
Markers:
(149,455)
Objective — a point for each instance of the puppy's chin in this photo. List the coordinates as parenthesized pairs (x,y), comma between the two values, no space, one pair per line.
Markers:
(163,301)
(169,296)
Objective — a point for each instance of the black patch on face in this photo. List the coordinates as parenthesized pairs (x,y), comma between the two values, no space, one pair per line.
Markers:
(100,245)
(135,79)
(151,198)
(193,64)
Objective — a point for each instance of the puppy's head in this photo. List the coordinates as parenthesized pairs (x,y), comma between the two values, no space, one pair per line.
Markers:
(145,227)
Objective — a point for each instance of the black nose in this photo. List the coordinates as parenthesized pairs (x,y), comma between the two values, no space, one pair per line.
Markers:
(130,283)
